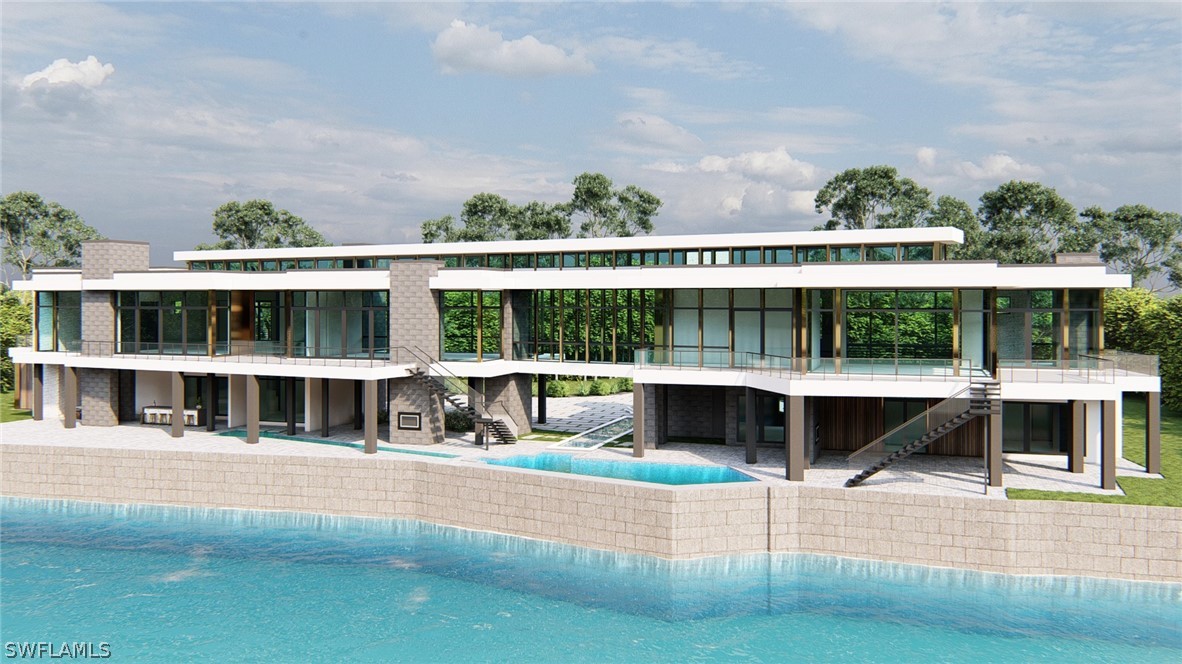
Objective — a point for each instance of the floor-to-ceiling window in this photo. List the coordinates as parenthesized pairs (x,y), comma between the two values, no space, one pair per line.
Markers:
(164,322)
(1029,326)
(59,320)
(340,323)
(471,325)
(913,329)
(1034,428)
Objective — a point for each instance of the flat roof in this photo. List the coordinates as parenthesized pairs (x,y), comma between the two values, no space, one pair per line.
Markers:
(782,238)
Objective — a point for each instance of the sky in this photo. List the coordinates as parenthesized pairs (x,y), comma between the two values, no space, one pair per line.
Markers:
(366,119)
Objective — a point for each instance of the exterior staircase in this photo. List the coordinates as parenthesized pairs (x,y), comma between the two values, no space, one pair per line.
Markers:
(983,398)
(493,426)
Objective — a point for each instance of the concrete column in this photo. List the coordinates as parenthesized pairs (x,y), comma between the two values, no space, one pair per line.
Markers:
(371,417)
(541,398)
(474,402)
(38,405)
(750,428)
(211,402)
(1079,427)
(357,405)
(993,450)
(290,405)
(1152,431)
(252,409)
(794,440)
(638,420)
(70,397)
(178,404)
(1108,446)
(325,391)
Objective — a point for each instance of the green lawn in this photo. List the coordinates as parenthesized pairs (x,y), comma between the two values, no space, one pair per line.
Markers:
(546,436)
(1138,490)
(8,413)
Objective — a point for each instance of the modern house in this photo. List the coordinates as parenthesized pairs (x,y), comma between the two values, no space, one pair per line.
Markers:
(815,341)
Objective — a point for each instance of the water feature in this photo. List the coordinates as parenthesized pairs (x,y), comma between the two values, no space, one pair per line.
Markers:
(597,437)
(659,473)
(174,584)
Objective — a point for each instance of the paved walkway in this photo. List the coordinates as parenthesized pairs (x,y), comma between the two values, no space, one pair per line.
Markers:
(919,474)
(576,414)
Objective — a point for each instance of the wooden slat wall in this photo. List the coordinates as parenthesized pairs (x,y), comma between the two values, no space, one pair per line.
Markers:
(848,423)
(967,440)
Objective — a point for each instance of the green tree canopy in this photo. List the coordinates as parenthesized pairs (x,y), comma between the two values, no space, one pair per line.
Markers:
(603,210)
(1140,241)
(1027,222)
(608,212)
(951,211)
(874,197)
(39,233)
(16,323)
(1138,321)
(257,224)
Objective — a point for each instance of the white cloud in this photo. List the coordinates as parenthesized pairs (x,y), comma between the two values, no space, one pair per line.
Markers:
(88,73)
(774,166)
(926,157)
(465,47)
(642,131)
(998,167)
(671,55)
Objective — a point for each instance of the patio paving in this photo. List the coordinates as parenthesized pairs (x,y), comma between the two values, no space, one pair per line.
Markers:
(919,474)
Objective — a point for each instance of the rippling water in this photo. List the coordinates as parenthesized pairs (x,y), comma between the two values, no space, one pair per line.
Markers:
(161,583)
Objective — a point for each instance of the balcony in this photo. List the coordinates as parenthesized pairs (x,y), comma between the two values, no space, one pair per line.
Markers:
(240,352)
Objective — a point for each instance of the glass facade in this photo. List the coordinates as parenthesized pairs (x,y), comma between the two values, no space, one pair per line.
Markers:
(470,325)
(59,320)
(340,324)
(165,322)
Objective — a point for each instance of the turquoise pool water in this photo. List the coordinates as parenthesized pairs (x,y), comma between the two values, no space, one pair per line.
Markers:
(660,473)
(174,584)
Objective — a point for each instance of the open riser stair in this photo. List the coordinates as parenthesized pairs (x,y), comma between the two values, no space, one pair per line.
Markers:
(984,399)
(494,426)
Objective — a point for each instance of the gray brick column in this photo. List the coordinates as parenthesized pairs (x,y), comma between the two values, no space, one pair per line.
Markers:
(414,308)
(512,394)
(409,396)
(100,396)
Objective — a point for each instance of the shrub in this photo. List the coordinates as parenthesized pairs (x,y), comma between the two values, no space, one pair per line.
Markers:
(1140,322)
(582,388)
(557,388)
(624,385)
(456,420)
(601,388)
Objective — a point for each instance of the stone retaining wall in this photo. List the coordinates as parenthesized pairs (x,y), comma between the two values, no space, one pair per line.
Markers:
(1017,537)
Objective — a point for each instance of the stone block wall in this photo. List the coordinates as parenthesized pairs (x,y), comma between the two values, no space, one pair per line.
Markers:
(1007,536)
(98,323)
(1013,537)
(697,411)
(99,390)
(512,393)
(103,258)
(655,421)
(414,307)
(409,396)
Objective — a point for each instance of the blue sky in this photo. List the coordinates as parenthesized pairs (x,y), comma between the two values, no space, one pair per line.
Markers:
(366,119)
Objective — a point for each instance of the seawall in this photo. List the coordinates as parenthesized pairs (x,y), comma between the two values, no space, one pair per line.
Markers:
(1013,537)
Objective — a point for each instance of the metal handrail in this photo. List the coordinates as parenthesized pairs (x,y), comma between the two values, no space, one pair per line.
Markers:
(958,395)
(254,352)
(421,356)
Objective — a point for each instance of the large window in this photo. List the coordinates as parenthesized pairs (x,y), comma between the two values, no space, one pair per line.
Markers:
(595,325)
(340,323)
(471,323)
(164,322)
(1029,326)
(59,320)
(898,324)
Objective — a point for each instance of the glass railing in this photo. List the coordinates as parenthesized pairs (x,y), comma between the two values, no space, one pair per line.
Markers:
(235,351)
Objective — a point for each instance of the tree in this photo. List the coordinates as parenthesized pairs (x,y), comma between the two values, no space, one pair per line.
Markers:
(16,323)
(1138,240)
(257,224)
(604,212)
(874,197)
(608,212)
(1027,222)
(38,233)
(1138,321)
(951,211)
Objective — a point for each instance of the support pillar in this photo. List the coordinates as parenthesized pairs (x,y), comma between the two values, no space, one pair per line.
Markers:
(178,404)
(211,402)
(356,405)
(252,409)
(1108,446)
(542,398)
(290,404)
(794,441)
(477,409)
(70,404)
(325,388)
(1152,431)
(638,420)
(38,390)
(750,428)
(1079,428)
(371,417)
(993,450)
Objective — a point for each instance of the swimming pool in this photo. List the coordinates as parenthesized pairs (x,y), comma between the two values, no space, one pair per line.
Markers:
(169,584)
(659,473)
